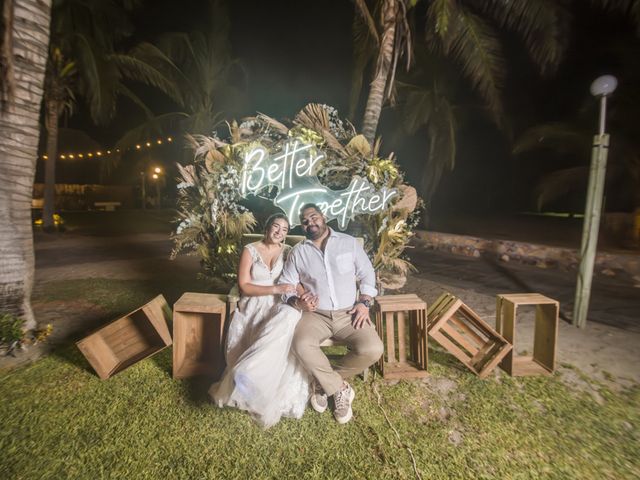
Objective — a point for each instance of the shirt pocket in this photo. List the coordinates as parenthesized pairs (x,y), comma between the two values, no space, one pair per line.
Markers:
(344,262)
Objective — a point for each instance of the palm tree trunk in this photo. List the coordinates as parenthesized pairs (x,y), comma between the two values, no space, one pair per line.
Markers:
(385,58)
(19,131)
(51,122)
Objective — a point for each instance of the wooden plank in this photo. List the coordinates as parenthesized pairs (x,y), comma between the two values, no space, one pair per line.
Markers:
(443,318)
(99,355)
(466,330)
(499,302)
(527,298)
(413,335)
(391,348)
(496,358)
(453,349)
(379,330)
(509,332)
(200,303)
(546,335)
(435,312)
(527,366)
(403,371)
(459,339)
(402,354)
(423,338)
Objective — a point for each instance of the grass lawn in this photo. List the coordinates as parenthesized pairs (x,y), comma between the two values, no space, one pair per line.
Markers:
(60,421)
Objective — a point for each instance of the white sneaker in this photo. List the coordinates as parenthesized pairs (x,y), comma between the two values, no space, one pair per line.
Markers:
(343,399)
(318,399)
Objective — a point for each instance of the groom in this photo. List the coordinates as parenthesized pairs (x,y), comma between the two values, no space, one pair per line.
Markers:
(327,265)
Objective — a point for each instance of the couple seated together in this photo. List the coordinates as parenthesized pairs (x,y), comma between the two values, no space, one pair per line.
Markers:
(292,300)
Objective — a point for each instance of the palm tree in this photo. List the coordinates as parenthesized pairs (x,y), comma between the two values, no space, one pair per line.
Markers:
(83,63)
(466,33)
(393,41)
(23,57)
(207,81)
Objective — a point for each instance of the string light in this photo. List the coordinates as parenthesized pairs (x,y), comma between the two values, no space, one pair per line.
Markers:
(99,153)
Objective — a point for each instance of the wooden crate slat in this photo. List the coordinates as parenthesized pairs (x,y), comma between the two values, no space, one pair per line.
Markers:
(495,357)
(452,348)
(473,336)
(459,339)
(402,354)
(390,343)
(546,336)
(443,303)
(436,322)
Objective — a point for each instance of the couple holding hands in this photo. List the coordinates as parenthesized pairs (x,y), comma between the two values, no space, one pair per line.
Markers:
(292,300)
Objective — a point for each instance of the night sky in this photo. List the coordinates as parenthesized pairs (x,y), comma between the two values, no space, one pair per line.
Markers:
(296,52)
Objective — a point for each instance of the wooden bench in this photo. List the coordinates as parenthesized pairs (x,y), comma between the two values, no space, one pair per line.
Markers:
(107,206)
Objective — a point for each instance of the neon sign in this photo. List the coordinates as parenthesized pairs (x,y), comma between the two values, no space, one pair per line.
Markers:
(292,169)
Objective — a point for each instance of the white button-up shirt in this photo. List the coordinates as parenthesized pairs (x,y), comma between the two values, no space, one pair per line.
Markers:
(331,275)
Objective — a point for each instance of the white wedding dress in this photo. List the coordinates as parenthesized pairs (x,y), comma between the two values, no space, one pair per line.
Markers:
(262,376)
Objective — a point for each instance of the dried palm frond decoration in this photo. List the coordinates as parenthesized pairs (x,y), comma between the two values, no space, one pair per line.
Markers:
(212,218)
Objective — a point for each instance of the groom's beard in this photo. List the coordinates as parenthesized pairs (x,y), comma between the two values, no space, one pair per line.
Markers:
(316,233)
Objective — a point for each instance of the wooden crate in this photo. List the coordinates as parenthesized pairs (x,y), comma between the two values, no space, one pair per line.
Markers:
(198,335)
(465,335)
(392,313)
(545,336)
(129,339)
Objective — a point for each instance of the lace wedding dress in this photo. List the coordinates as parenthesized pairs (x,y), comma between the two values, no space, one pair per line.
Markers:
(262,377)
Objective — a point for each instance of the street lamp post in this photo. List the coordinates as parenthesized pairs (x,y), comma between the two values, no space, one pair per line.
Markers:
(156,177)
(143,190)
(601,87)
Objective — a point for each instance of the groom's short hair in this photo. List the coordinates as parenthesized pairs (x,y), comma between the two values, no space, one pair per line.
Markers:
(307,206)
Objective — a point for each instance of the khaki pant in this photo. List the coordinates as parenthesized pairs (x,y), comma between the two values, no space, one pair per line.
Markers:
(364,345)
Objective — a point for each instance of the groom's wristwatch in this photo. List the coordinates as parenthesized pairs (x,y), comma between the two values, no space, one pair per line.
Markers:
(366,303)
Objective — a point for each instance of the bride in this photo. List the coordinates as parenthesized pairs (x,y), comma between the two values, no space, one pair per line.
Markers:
(262,377)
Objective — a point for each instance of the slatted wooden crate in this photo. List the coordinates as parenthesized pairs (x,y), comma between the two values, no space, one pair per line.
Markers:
(198,333)
(465,335)
(392,314)
(129,339)
(545,336)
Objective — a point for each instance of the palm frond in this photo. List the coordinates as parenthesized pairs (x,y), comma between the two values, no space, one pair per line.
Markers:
(559,183)
(559,136)
(99,78)
(139,70)
(126,92)
(161,61)
(439,15)
(475,46)
(367,20)
(542,24)
(442,145)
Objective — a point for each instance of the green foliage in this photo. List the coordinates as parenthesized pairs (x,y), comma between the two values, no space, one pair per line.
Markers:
(212,221)
(11,331)
(13,336)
